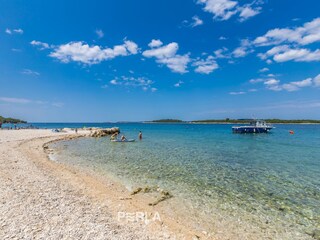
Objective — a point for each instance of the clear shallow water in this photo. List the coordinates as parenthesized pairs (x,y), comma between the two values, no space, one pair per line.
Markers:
(264,179)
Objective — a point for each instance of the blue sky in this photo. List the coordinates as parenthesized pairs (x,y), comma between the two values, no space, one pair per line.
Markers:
(138,60)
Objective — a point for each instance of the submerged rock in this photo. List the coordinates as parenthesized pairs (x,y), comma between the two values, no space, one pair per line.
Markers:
(104,132)
(316,234)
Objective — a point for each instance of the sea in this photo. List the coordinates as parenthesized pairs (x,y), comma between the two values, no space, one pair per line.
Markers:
(238,186)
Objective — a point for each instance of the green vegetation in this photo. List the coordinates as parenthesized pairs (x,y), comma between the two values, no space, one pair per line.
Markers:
(235,121)
(167,121)
(242,121)
(11,120)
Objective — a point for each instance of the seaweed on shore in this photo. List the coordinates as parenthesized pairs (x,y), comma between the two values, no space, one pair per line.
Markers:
(164,195)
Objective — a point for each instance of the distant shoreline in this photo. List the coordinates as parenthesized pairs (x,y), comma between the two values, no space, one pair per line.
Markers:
(230,123)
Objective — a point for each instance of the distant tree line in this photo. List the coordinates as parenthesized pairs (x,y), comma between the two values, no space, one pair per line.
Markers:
(11,120)
(167,121)
(240,121)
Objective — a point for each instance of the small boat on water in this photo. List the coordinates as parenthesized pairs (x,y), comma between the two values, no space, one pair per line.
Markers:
(256,126)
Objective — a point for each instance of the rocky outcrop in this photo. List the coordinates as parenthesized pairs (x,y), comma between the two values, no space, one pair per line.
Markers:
(102,132)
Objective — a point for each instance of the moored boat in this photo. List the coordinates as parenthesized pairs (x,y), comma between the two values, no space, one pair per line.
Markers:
(256,126)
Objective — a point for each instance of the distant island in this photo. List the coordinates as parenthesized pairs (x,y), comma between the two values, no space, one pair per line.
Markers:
(11,120)
(167,121)
(238,121)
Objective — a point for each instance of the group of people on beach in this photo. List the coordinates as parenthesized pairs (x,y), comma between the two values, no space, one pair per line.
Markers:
(123,138)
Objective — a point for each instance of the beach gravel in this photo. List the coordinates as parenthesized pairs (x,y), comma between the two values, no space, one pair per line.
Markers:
(35,204)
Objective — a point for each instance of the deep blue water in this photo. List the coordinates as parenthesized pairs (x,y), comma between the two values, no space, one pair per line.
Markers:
(275,175)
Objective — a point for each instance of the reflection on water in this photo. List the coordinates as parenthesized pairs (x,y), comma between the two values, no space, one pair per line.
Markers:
(271,181)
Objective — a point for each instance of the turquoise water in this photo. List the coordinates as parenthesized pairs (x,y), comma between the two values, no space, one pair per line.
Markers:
(271,181)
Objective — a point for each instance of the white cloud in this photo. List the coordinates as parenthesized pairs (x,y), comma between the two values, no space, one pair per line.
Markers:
(271,81)
(178,84)
(82,52)
(247,12)
(258,80)
(30,72)
(307,34)
(294,86)
(41,45)
(222,53)
(297,55)
(15,100)
(114,82)
(284,53)
(142,82)
(240,52)
(222,38)
(155,43)
(316,81)
(243,50)
(99,33)
(205,66)
(262,70)
(237,93)
(196,21)
(168,56)
(224,9)
(274,84)
(221,9)
(17,31)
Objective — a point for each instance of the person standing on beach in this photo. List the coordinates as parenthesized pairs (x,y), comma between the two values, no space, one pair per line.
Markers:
(140,135)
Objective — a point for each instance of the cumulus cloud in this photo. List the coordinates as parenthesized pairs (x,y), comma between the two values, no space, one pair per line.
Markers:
(167,55)
(288,44)
(41,45)
(304,35)
(205,66)
(247,12)
(284,53)
(82,52)
(142,82)
(224,9)
(155,43)
(274,84)
(14,31)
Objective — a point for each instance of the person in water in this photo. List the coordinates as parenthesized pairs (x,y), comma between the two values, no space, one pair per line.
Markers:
(123,138)
(114,136)
(140,135)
